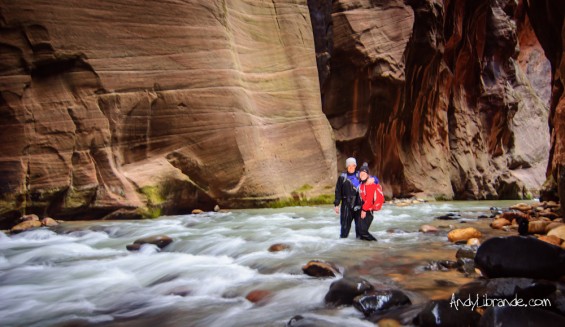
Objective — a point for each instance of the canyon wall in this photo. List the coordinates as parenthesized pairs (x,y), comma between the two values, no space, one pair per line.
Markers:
(130,108)
(548,20)
(446,99)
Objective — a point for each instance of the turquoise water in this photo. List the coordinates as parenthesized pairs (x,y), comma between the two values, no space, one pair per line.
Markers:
(81,273)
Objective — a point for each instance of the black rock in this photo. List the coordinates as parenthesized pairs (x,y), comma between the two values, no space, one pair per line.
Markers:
(519,256)
(449,216)
(160,240)
(374,301)
(443,313)
(520,316)
(506,288)
(346,289)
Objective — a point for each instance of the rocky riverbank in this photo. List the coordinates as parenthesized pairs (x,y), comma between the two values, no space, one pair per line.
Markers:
(514,271)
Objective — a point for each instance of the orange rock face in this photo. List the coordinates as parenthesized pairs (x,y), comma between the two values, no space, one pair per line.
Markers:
(445,98)
(167,106)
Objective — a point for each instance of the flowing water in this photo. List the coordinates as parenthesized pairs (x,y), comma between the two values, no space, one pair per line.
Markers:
(81,273)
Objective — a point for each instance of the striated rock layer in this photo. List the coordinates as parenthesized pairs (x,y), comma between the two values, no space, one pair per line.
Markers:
(443,98)
(548,19)
(107,107)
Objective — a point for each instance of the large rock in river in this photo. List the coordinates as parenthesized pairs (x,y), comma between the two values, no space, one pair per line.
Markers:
(343,291)
(519,256)
(162,106)
(520,316)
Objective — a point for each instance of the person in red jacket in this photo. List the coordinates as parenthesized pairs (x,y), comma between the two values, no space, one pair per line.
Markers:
(367,192)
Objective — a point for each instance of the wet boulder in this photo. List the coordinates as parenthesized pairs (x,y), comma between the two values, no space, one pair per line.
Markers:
(258,296)
(519,256)
(279,247)
(522,207)
(505,288)
(318,268)
(499,223)
(26,225)
(463,234)
(520,316)
(442,313)
(537,226)
(374,301)
(160,241)
(343,291)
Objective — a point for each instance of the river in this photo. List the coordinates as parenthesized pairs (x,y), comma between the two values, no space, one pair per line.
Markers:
(81,274)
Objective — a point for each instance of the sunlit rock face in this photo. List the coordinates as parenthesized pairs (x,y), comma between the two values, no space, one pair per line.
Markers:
(158,107)
(443,98)
(548,20)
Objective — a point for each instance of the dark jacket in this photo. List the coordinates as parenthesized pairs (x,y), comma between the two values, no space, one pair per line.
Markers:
(345,191)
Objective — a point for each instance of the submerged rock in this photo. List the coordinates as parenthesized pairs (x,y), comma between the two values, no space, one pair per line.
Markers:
(346,289)
(279,247)
(318,268)
(428,229)
(375,301)
(518,256)
(257,296)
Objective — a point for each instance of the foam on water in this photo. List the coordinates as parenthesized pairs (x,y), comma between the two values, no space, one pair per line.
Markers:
(83,271)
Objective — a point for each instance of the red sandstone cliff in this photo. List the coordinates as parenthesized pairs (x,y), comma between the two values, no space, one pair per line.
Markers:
(114,107)
(108,106)
(446,98)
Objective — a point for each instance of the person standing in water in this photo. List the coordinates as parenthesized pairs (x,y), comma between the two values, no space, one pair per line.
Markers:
(346,193)
(368,194)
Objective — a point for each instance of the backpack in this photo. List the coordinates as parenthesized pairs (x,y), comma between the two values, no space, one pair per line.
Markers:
(379,199)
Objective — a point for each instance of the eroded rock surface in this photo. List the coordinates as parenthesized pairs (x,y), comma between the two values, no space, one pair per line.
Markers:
(444,98)
(158,107)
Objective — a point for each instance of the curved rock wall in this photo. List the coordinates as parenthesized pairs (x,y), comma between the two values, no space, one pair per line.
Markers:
(548,20)
(111,106)
(443,98)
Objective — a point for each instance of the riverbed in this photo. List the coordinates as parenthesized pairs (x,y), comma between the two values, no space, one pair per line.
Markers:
(80,273)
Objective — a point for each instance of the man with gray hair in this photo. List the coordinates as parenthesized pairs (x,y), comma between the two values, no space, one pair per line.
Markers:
(346,193)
